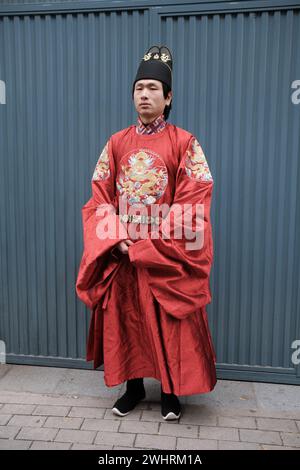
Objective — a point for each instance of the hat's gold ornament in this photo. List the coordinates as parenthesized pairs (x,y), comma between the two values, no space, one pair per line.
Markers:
(165,57)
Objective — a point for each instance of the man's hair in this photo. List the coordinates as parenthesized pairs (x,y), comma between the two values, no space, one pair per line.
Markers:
(167,109)
(166,90)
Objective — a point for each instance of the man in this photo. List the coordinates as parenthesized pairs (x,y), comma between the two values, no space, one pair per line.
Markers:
(148,252)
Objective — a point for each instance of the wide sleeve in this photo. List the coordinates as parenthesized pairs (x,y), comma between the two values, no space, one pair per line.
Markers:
(178,260)
(101,232)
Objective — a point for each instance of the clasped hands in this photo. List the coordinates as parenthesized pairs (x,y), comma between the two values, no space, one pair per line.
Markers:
(123,246)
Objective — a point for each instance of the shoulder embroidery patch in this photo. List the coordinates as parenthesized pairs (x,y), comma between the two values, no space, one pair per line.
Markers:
(196,166)
(102,171)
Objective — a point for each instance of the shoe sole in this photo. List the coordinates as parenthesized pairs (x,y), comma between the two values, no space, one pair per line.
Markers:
(118,412)
(171,415)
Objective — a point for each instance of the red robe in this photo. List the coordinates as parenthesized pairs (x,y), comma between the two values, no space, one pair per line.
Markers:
(149,307)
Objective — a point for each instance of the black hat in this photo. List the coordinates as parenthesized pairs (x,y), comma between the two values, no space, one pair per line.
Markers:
(157,64)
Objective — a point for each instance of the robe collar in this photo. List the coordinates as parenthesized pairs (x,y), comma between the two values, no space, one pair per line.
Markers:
(153,127)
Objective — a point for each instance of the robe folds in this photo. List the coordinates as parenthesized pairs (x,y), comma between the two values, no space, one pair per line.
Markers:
(148,307)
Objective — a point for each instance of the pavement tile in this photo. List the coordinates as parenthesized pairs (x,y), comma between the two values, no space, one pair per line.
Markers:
(13,397)
(78,446)
(101,424)
(9,432)
(179,430)
(196,444)
(43,445)
(219,433)
(37,434)
(150,441)
(4,419)
(275,424)
(86,412)
(51,410)
(75,435)
(12,444)
(31,421)
(115,438)
(63,422)
(261,437)
(246,422)
(291,439)
(270,447)
(140,427)
(233,445)
(17,409)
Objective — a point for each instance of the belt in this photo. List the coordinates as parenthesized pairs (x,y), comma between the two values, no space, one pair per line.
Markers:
(139,219)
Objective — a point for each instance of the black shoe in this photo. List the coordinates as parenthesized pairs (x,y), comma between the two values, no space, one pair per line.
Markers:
(135,392)
(170,406)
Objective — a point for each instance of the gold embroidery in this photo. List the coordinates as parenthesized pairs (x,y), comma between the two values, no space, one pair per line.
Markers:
(165,57)
(102,171)
(143,177)
(196,166)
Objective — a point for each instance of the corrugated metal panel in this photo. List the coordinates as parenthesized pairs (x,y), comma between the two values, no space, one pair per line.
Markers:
(67,88)
(238,101)
(68,79)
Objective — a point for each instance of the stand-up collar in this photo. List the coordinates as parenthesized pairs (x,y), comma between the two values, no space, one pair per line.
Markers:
(153,127)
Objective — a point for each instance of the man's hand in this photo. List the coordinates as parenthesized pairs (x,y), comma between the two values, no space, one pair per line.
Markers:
(123,246)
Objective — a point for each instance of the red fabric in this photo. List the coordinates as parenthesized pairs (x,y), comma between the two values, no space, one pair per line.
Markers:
(149,314)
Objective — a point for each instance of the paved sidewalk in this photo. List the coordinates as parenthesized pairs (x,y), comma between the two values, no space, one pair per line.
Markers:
(57,408)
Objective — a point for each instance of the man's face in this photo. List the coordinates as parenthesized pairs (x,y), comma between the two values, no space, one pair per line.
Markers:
(149,99)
